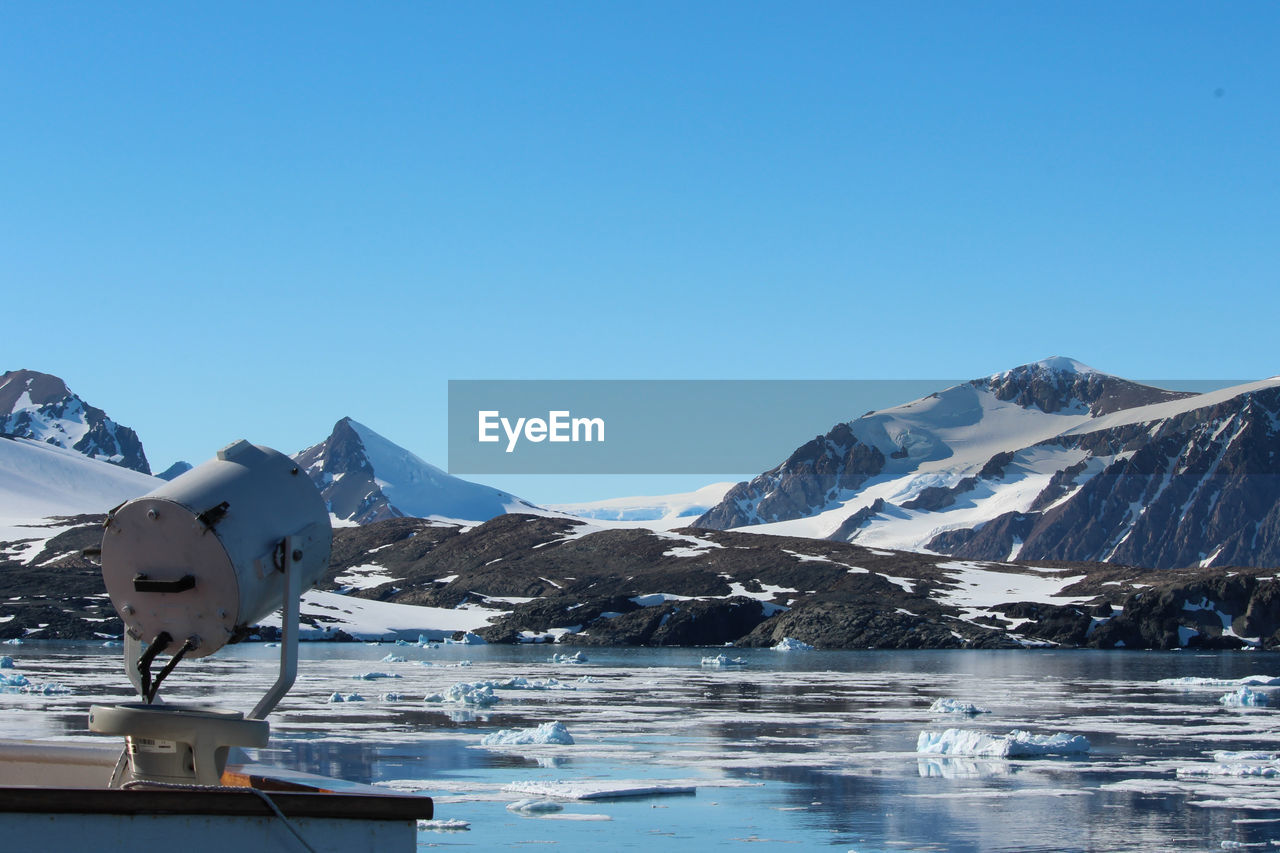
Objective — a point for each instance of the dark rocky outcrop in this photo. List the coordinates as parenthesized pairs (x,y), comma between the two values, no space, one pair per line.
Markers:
(807,481)
(696,587)
(848,529)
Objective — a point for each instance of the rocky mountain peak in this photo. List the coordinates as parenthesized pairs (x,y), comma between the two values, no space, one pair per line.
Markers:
(364,477)
(41,407)
(1062,384)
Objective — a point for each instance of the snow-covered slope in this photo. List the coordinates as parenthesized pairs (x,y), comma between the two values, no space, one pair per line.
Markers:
(41,407)
(659,512)
(1010,466)
(40,480)
(364,477)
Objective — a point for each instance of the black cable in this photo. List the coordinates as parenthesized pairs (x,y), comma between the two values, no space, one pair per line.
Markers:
(189,645)
(144,663)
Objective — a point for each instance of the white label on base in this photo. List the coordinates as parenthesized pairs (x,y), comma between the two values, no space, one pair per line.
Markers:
(146,744)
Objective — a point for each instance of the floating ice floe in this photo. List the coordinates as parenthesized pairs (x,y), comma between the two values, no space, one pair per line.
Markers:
(789,645)
(52,688)
(15,680)
(519,682)
(374,676)
(391,697)
(478,695)
(597,789)
(533,806)
(547,733)
(16,641)
(955,706)
(1245,697)
(1016,744)
(444,825)
(346,697)
(6,662)
(723,661)
(1196,681)
(1236,770)
(393,658)
(576,657)
(587,679)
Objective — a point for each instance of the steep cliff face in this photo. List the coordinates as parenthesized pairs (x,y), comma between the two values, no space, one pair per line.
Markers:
(1052,460)
(1197,487)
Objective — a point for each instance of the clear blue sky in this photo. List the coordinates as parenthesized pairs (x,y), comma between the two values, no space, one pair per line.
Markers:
(251,219)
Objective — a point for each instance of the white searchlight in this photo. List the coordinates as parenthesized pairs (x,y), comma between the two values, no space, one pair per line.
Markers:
(190,567)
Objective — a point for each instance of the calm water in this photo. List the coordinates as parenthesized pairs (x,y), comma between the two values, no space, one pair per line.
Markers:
(799,750)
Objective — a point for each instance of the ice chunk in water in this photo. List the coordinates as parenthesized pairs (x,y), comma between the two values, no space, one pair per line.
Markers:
(722,660)
(346,697)
(477,695)
(6,662)
(786,644)
(547,733)
(374,676)
(597,789)
(955,706)
(530,806)
(1016,744)
(1196,681)
(393,658)
(52,688)
(1245,697)
(15,680)
(576,657)
(444,825)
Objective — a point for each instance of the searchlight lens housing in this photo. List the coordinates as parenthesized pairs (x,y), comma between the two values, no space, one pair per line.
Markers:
(200,558)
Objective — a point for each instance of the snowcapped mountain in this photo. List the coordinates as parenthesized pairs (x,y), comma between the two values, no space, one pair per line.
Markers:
(39,480)
(1051,460)
(659,512)
(364,477)
(41,407)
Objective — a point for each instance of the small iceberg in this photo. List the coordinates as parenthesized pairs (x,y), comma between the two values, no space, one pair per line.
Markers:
(786,644)
(346,697)
(955,706)
(6,662)
(479,695)
(1245,697)
(547,733)
(374,676)
(721,661)
(444,825)
(393,658)
(391,697)
(1016,744)
(467,639)
(576,657)
(15,680)
(14,642)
